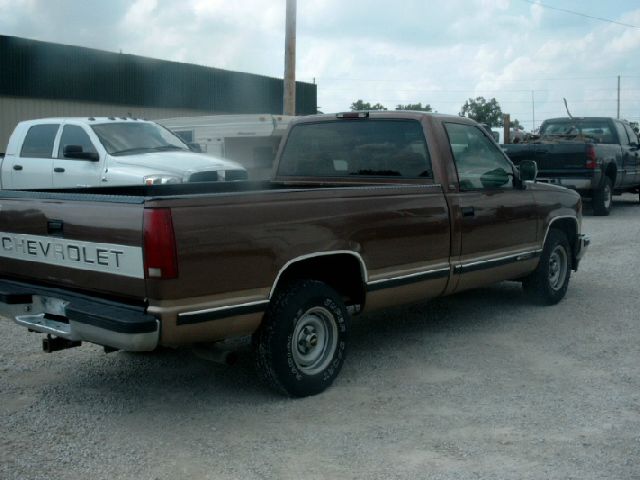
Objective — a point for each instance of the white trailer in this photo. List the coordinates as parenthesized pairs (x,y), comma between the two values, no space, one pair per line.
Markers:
(251,140)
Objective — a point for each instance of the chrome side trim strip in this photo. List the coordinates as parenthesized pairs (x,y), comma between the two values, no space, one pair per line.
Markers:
(496,262)
(217,313)
(408,279)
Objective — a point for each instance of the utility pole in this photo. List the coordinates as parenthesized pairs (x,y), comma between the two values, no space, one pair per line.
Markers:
(618,116)
(289,103)
(533,111)
(506,118)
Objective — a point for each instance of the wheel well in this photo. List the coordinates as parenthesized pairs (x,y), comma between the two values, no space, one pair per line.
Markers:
(611,172)
(342,272)
(570,229)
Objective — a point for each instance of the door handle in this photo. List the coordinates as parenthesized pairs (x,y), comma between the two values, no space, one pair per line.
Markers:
(58,169)
(17,167)
(468,211)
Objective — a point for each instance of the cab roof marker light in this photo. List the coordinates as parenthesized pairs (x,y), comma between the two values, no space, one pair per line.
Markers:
(353,115)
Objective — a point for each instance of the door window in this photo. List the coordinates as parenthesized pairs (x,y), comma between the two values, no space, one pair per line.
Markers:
(624,138)
(38,143)
(480,164)
(75,135)
(633,136)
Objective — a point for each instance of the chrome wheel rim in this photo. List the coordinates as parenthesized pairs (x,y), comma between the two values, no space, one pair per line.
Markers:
(558,267)
(314,340)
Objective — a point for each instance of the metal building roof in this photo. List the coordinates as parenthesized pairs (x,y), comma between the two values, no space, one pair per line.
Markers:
(36,69)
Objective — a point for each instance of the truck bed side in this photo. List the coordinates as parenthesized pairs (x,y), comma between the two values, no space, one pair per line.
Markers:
(390,244)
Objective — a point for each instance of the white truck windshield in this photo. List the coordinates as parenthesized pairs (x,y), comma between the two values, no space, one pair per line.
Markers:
(128,138)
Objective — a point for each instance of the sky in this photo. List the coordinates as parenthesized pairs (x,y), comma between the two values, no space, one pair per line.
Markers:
(528,56)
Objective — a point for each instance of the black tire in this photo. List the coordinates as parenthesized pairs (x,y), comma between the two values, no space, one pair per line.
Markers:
(548,283)
(603,198)
(301,344)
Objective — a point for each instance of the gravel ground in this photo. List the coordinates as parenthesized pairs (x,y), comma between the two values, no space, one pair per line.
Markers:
(476,386)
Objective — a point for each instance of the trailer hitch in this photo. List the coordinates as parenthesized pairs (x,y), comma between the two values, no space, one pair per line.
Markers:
(54,344)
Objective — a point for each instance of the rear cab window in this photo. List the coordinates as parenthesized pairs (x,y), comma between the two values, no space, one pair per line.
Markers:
(357,148)
(38,143)
(597,130)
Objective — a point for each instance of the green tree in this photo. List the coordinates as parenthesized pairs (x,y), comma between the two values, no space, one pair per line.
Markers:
(360,105)
(515,123)
(483,111)
(415,106)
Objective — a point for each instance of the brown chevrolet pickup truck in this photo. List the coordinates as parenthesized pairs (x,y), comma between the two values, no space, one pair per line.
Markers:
(365,211)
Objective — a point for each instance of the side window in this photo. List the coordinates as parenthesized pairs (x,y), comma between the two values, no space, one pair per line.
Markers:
(38,143)
(622,134)
(75,135)
(352,148)
(633,136)
(480,164)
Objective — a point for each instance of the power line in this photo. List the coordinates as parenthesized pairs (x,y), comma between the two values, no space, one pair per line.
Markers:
(319,79)
(573,12)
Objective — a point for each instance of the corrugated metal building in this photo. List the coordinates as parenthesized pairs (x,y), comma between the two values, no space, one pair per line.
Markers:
(41,79)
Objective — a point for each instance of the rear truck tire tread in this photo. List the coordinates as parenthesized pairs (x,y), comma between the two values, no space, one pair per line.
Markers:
(301,345)
(603,198)
(548,283)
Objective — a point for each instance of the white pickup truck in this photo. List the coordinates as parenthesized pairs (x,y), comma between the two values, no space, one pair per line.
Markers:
(89,152)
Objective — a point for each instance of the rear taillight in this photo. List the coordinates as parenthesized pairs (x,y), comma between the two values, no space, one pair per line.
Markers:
(159,244)
(591,157)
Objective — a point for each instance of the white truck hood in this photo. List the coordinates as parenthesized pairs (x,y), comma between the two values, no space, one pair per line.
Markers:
(179,163)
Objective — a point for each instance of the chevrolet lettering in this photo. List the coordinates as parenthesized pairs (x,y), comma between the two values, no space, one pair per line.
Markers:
(364,211)
(118,259)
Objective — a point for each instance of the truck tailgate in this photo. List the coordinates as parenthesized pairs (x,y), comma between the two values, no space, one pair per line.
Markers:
(74,242)
(551,156)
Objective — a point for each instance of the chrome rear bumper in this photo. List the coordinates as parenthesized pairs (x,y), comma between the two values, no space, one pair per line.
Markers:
(79,319)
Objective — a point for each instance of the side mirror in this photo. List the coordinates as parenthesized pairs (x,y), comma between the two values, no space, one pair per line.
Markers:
(194,147)
(76,151)
(528,170)
(494,178)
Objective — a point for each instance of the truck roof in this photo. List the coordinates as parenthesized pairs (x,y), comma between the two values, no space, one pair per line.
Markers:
(86,120)
(409,114)
(570,119)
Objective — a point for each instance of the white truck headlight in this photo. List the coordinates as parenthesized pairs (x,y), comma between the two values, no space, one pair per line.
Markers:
(161,179)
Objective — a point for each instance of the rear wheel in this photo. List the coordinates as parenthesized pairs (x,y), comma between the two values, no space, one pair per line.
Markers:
(548,283)
(602,198)
(301,344)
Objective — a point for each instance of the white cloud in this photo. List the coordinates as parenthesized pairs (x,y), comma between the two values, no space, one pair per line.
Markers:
(414,51)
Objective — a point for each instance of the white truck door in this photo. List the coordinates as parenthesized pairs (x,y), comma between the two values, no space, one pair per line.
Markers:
(80,166)
(32,166)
